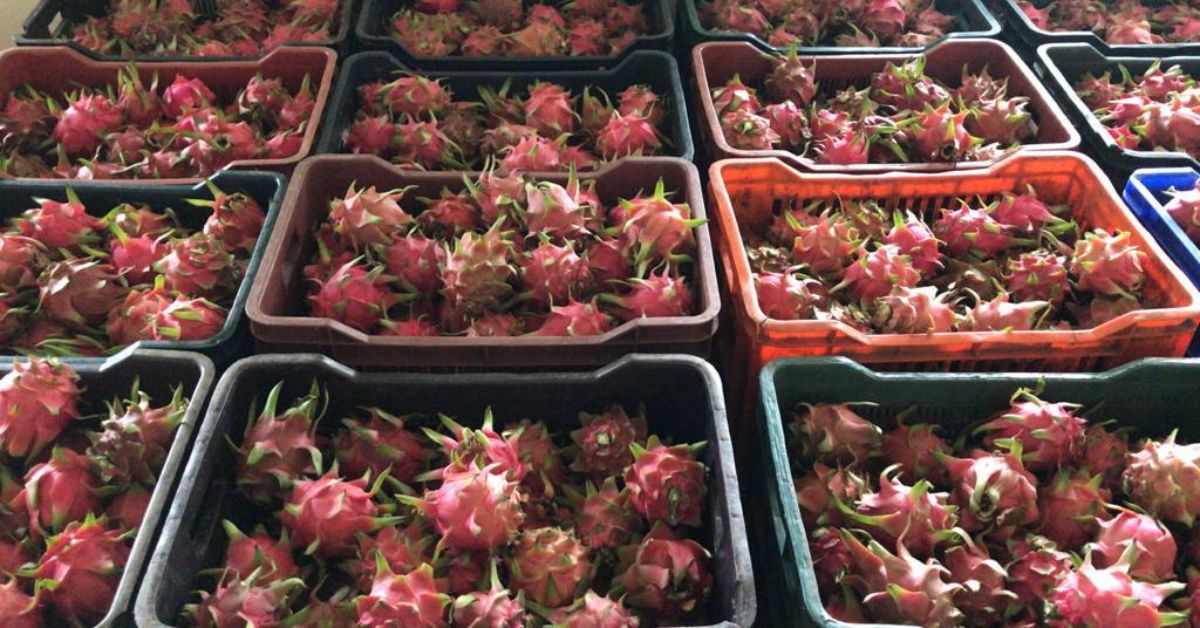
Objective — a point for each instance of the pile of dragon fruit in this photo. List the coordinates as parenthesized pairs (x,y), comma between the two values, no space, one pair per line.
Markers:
(416,122)
(243,28)
(1034,517)
(74,487)
(380,524)
(1184,209)
(506,28)
(506,256)
(863,24)
(1125,22)
(1013,264)
(75,284)
(1157,111)
(902,116)
(133,130)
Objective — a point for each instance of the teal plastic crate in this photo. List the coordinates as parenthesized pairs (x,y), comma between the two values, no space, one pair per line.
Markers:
(1152,396)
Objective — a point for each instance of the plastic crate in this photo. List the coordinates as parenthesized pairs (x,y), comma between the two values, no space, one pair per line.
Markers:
(99,197)
(1149,396)
(653,68)
(1017,24)
(1062,65)
(157,373)
(374,32)
(1146,193)
(717,62)
(280,320)
(683,403)
(747,192)
(972,16)
(57,69)
(50,21)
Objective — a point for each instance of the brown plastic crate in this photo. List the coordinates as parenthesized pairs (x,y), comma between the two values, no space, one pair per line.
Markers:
(57,69)
(280,320)
(716,62)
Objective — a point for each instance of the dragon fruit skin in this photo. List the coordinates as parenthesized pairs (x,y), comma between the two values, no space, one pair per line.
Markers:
(1036,569)
(403,550)
(992,491)
(550,566)
(84,124)
(17,609)
(1108,263)
(983,579)
(474,508)
(411,599)
(915,449)
(902,588)
(279,448)
(1111,597)
(553,273)
(1184,209)
(355,295)
(667,483)
(575,319)
(915,311)
(604,441)
(605,518)
(628,135)
(60,491)
(827,245)
(818,494)
(477,271)
(239,601)
(134,440)
(258,554)
(1050,434)
(19,257)
(834,433)
(134,258)
(1070,507)
(379,444)
(1154,547)
(184,95)
(971,230)
(325,514)
(1038,276)
(79,294)
(368,216)
(917,242)
(914,515)
(59,225)
(86,560)
(493,607)
(237,220)
(199,265)
(786,296)
(659,295)
(38,399)
(667,576)
(594,611)
(1162,477)
(874,274)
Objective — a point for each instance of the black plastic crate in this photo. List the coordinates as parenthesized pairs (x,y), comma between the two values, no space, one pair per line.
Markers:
(683,402)
(267,188)
(158,373)
(973,18)
(1062,65)
(51,20)
(374,32)
(1019,26)
(653,68)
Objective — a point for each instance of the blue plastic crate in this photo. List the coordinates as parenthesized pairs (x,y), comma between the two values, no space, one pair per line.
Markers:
(1146,193)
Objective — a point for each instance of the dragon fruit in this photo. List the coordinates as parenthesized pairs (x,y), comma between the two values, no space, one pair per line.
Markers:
(1037,569)
(992,491)
(549,109)
(368,216)
(476,272)
(1093,596)
(1161,478)
(875,274)
(85,123)
(1108,263)
(605,441)
(259,555)
(79,294)
(914,449)
(354,295)
(407,599)
(403,550)
(59,225)
(85,561)
(325,514)
(1038,276)
(60,491)
(550,566)
(1183,209)
(199,265)
(666,576)
(237,219)
(1154,547)
(834,433)
(901,588)
(786,296)
(19,257)
(552,273)
(1001,314)
(970,230)
(1050,434)
(917,241)
(134,440)
(17,609)
(475,508)
(983,595)
(658,295)
(38,399)
(667,483)
(594,611)
(915,311)
(494,607)
(1069,507)
(134,258)
(244,600)
(279,448)
(827,245)
(190,319)
(575,319)
(914,515)
(379,444)
(943,135)
(605,518)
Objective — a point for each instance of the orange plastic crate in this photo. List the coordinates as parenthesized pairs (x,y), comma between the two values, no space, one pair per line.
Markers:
(748,192)
(715,63)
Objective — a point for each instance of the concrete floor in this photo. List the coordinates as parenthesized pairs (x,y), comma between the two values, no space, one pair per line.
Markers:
(12,16)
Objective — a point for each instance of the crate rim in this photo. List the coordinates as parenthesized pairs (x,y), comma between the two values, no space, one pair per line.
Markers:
(749,306)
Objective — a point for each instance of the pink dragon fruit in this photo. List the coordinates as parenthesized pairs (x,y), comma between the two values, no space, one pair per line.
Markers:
(87,120)
(244,601)
(789,124)
(1111,597)
(843,150)
(367,216)
(19,257)
(38,399)
(1184,209)
(413,259)
(539,455)
(1037,569)
(379,444)
(1038,276)
(594,611)
(903,589)
(1163,477)
(415,96)
(993,491)
(412,599)
(914,516)
(474,508)
(371,136)
(452,213)
(834,433)
(666,576)
(477,448)
(605,518)
(279,448)
(827,245)
(237,219)
(553,273)
(876,273)
(85,561)
(628,135)
(325,514)
(575,319)
(355,295)
(1069,507)
(403,550)
(914,449)
(79,294)
(746,130)
(735,96)
(494,607)
(786,296)
(667,483)
(59,225)
(190,319)
(917,242)
(550,566)
(1153,546)
(258,553)
(134,440)
(477,271)
(1050,434)
(134,258)
(1024,212)
(819,492)
(1108,263)
(604,441)
(791,81)
(658,295)
(983,593)
(972,230)
(17,609)
(553,210)
(915,311)
(184,95)
(199,265)
(549,109)
(60,491)
(1001,314)
(942,135)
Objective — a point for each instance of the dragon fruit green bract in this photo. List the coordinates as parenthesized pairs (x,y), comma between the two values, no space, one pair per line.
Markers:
(902,116)
(1124,22)
(1011,262)
(75,483)
(495,28)
(244,28)
(468,538)
(506,256)
(1013,525)
(417,122)
(77,284)
(141,128)
(789,23)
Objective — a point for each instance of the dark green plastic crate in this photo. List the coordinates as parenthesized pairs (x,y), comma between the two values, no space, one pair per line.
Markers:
(1153,396)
